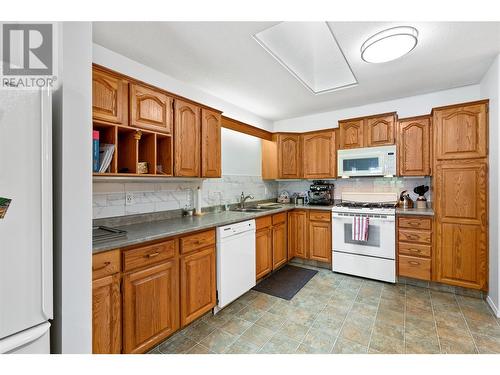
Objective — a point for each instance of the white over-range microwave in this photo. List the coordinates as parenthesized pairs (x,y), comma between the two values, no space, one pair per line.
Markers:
(367,161)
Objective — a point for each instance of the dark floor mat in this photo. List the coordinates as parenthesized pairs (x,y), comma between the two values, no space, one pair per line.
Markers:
(286,282)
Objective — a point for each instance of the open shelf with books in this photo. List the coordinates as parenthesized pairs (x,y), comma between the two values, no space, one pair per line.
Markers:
(135,152)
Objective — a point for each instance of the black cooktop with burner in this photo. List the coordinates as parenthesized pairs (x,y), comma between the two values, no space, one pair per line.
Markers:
(350,204)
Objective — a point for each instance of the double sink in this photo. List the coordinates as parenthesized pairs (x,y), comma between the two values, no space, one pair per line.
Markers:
(257,208)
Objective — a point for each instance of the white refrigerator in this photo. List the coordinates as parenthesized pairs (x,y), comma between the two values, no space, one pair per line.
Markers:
(26,305)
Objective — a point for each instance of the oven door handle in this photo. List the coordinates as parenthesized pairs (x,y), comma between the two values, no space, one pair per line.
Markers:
(389,219)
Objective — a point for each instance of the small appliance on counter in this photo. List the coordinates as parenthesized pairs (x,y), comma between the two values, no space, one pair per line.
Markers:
(404,200)
(284,197)
(421,200)
(300,198)
(321,193)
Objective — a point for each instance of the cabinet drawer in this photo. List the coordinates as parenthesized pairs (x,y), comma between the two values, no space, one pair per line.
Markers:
(415,222)
(263,222)
(417,268)
(104,264)
(407,235)
(146,255)
(320,215)
(279,218)
(197,241)
(414,249)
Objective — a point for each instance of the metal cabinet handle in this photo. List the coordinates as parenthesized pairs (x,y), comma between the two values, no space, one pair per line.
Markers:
(414,250)
(152,255)
(414,263)
(102,267)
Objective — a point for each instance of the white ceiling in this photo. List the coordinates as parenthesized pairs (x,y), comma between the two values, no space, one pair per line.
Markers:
(223,59)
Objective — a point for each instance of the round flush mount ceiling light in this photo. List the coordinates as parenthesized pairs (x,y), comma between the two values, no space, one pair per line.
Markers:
(389,44)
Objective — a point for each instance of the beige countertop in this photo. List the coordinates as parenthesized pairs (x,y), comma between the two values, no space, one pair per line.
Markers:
(415,211)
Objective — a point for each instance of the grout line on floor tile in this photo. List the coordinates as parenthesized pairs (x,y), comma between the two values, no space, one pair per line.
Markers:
(467,324)
(404,324)
(373,325)
(435,323)
(345,318)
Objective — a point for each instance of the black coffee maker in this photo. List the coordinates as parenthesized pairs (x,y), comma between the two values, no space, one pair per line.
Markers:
(321,193)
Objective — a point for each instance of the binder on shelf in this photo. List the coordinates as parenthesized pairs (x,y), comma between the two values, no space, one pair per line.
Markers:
(105,155)
(95,151)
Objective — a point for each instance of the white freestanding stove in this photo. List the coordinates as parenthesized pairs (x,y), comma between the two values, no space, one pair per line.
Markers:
(374,258)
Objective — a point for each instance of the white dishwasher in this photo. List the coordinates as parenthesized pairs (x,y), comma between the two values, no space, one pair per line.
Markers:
(235,261)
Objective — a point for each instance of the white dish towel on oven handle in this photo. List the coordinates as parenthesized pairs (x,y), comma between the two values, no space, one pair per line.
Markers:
(360,228)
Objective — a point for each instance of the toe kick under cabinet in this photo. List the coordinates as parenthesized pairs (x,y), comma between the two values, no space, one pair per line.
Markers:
(414,242)
(145,293)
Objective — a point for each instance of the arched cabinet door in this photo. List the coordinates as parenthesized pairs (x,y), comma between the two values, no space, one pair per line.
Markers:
(210,143)
(460,132)
(109,98)
(150,109)
(379,131)
(351,133)
(289,156)
(414,146)
(187,139)
(319,154)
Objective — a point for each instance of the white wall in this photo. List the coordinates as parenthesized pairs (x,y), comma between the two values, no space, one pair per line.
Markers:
(241,154)
(490,88)
(72,122)
(122,64)
(405,107)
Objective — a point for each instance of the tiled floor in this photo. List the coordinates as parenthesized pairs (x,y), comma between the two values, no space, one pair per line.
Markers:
(335,313)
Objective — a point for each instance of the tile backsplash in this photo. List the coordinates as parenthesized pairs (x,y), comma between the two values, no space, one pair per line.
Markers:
(109,197)
(365,184)
(147,197)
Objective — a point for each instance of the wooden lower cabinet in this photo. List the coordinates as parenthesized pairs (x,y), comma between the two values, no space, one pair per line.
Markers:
(297,234)
(280,251)
(106,315)
(320,241)
(198,289)
(263,251)
(461,205)
(150,306)
(414,247)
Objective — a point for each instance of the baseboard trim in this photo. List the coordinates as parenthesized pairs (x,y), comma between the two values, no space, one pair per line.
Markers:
(495,309)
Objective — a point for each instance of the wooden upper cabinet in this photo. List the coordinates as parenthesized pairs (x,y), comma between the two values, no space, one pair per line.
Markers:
(187,138)
(461,223)
(460,132)
(289,156)
(297,234)
(150,306)
(351,133)
(379,130)
(210,143)
(150,109)
(414,146)
(197,284)
(106,315)
(320,241)
(109,98)
(319,154)
(280,251)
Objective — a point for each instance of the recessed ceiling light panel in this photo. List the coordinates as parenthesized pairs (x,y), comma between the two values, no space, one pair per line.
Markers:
(310,52)
(389,44)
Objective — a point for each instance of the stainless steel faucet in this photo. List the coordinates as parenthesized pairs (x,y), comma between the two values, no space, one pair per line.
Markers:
(243,199)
